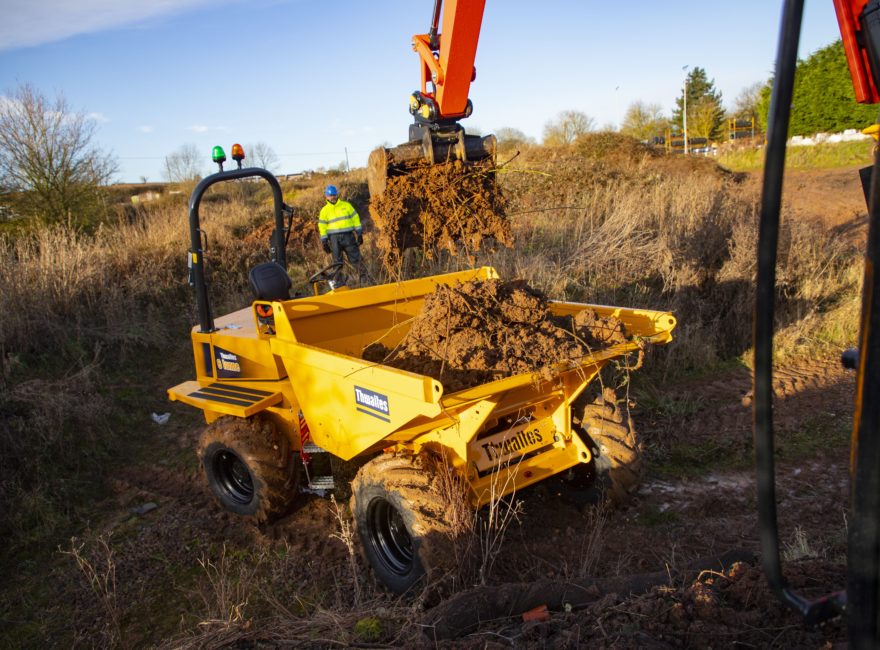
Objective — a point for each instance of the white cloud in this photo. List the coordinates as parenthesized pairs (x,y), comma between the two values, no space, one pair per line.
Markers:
(34,22)
(204,128)
(145,128)
(99,117)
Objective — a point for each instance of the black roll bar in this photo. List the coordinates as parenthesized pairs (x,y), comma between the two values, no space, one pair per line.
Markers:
(196,261)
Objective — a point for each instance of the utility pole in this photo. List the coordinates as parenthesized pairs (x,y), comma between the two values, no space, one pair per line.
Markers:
(684,112)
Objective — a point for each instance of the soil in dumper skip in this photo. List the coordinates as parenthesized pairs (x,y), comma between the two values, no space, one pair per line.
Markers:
(482,330)
(439,207)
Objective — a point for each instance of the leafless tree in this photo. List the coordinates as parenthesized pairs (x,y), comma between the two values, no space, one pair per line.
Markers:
(261,155)
(746,104)
(567,126)
(644,121)
(510,138)
(184,165)
(50,166)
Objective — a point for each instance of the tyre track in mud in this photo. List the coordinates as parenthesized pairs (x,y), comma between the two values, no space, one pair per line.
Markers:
(812,399)
(723,406)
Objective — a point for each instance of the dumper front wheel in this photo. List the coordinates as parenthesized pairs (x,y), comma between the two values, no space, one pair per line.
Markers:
(617,453)
(402,520)
(249,467)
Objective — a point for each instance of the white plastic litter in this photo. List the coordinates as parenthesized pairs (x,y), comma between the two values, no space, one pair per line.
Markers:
(160,419)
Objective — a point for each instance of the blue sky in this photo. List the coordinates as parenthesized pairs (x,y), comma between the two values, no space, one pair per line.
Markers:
(314,78)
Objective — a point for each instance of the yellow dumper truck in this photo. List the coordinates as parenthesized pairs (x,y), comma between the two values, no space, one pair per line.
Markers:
(284,378)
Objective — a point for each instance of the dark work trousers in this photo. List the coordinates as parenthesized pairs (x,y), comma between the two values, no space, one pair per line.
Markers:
(346,242)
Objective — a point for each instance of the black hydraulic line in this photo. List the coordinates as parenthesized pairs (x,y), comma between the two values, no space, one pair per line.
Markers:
(433,41)
(774,165)
(196,260)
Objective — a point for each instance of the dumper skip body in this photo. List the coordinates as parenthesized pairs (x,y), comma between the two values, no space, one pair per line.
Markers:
(308,361)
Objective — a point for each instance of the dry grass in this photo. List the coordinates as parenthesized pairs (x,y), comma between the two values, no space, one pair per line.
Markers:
(601,221)
(666,233)
(78,307)
(97,566)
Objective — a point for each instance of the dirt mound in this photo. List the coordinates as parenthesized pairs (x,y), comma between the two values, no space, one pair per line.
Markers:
(483,330)
(720,609)
(303,234)
(610,146)
(440,207)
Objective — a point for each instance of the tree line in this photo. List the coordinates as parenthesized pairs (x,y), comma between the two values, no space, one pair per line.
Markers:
(52,169)
(823,101)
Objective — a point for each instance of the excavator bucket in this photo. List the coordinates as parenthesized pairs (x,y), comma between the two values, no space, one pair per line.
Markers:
(431,149)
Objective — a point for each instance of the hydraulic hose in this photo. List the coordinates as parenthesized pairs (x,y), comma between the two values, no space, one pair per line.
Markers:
(433,41)
(768,238)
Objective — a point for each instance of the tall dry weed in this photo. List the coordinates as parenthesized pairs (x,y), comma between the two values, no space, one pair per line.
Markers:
(97,564)
(645,230)
(75,304)
(227,588)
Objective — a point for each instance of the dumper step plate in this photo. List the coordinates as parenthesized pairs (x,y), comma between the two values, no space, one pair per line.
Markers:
(230,399)
(321,483)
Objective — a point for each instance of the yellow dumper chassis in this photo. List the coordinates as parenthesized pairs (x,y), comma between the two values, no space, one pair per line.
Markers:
(311,363)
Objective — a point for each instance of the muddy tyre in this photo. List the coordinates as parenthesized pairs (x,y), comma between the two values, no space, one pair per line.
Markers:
(401,517)
(616,468)
(249,467)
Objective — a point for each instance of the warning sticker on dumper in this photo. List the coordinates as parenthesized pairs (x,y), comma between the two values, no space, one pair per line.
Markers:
(372,403)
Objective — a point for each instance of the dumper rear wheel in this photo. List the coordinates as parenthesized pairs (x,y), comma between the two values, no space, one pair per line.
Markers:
(617,454)
(249,466)
(402,520)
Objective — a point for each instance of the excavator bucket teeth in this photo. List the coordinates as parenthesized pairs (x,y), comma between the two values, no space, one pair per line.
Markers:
(397,161)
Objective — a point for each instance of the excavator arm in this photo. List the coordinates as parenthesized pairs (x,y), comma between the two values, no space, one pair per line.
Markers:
(446,62)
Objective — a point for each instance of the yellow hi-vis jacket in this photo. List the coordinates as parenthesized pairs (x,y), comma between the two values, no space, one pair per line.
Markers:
(337,218)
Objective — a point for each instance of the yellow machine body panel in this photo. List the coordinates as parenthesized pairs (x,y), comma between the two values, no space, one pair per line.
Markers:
(309,359)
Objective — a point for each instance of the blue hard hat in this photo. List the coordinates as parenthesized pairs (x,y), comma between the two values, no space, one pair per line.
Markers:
(331,191)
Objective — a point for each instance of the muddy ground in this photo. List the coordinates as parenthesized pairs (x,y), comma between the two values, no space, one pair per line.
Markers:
(673,522)
(697,501)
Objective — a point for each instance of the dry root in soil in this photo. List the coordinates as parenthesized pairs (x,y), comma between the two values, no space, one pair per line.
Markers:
(483,330)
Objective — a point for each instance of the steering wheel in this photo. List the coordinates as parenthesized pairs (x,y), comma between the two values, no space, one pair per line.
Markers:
(326,274)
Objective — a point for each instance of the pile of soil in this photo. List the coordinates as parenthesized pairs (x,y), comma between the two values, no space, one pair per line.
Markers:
(440,207)
(303,235)
(482,330)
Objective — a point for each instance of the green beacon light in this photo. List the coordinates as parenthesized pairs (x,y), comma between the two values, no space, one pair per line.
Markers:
(218,156)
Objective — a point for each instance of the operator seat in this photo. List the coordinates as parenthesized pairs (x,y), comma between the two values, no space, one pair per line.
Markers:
(270,281)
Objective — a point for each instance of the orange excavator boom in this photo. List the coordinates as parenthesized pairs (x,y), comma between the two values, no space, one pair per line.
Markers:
(446,61)
(447,58)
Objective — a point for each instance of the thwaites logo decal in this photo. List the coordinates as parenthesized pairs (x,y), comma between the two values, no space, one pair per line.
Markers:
(497,450)
(518,441)
(372,403)
(227,363)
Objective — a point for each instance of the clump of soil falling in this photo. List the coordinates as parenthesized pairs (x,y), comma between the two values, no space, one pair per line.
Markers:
(482,330)
(440,207)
